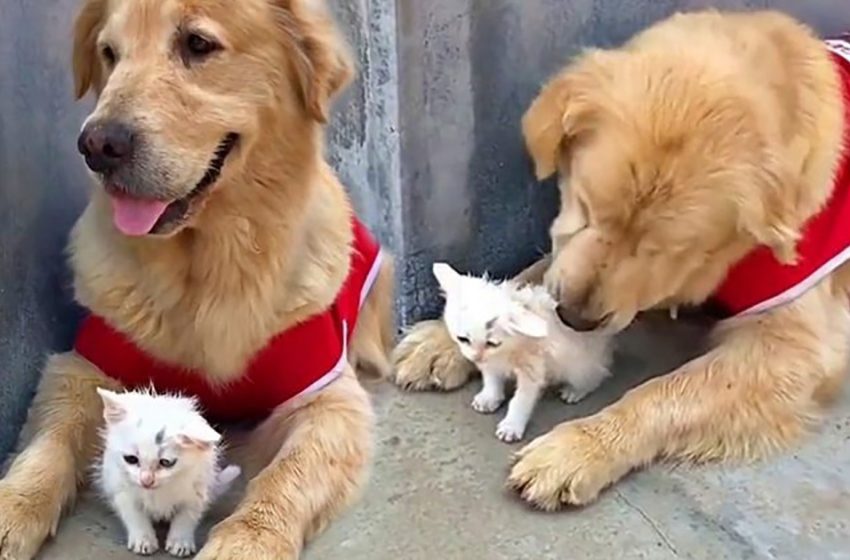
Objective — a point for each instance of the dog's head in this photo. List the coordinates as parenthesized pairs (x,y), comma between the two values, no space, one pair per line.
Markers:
(667,178)
(186,88)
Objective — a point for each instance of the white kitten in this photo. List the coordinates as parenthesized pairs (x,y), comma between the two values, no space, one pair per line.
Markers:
(160,463)
(513,332)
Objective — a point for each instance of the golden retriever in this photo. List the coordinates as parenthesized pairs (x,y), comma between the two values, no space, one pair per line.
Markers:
(706,138)
(211,114)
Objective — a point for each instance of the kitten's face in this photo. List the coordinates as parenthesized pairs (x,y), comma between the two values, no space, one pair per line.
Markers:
(482,318)
(478,337)
(155,438)
(147,463)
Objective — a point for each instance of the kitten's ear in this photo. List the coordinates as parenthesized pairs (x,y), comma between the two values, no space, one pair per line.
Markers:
(525,322)
(446,276)
(198,434)
(114,410)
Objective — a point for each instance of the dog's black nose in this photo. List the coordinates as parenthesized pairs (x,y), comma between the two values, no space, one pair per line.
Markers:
(105,145)
(573,318)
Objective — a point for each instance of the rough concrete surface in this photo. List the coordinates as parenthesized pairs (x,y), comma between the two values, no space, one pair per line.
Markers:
(436,490)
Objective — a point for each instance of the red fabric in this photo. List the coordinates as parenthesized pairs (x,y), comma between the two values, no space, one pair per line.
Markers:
(288,365)
(759,277)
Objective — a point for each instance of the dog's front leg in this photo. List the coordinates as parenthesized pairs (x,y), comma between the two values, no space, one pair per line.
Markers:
(43,479)
(317,456)
(757,392)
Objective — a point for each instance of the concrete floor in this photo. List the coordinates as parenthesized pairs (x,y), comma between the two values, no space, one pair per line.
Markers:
(436,491)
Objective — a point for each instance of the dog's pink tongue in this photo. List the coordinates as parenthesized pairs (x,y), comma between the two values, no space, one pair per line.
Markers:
(134,216)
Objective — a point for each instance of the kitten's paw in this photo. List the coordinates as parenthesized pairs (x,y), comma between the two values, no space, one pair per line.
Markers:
(180,546)
(143,543)
(510,431)
(486,403)
(427,359)
(571,396)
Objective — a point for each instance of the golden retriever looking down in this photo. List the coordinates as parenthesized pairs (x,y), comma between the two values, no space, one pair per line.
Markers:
(215,227)
(705,160)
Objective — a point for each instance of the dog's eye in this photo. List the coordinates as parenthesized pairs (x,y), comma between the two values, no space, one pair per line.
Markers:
(493,344)
(131,459)
(108,54)
(463,340)
(198,46)
(167,463)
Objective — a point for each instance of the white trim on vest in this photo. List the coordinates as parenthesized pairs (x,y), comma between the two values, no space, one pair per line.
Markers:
(839,47)
(801,287)
(339,368)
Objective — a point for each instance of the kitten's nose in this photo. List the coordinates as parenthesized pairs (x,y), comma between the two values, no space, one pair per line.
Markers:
(147,479)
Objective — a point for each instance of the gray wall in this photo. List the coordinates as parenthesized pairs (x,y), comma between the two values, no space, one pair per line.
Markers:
(427,140)
(42,188)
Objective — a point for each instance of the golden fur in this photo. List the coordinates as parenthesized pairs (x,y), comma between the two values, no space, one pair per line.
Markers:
(268,246)
(702,137)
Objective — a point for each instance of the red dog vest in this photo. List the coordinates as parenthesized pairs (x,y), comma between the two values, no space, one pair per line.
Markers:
(300,360)
(760,282)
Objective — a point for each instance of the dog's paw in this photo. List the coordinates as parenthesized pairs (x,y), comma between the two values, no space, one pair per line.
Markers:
(572,396)
(510,431)
(27,518)
(486,403)
(240,537)
(142,542)
(567,466)
(428,359)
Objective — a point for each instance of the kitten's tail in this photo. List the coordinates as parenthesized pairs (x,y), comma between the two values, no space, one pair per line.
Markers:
(224,480)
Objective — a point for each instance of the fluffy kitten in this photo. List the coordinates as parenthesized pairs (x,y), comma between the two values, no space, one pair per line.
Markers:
(160,463)
(513,332)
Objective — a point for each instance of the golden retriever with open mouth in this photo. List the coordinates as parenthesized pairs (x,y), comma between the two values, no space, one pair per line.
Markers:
(705,161)
(219,254)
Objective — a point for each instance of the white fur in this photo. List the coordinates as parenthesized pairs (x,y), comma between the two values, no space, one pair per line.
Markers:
(511,331)
(152,428)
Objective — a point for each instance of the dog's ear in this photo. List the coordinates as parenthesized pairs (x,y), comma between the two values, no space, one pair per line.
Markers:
(562,110)
(86,64)
(768,210)
(545,126)
(323,62)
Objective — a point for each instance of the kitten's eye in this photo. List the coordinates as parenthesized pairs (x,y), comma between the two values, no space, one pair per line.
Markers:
(109,55)
(493,343)
(131,459)
(463,340)
(167,463)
